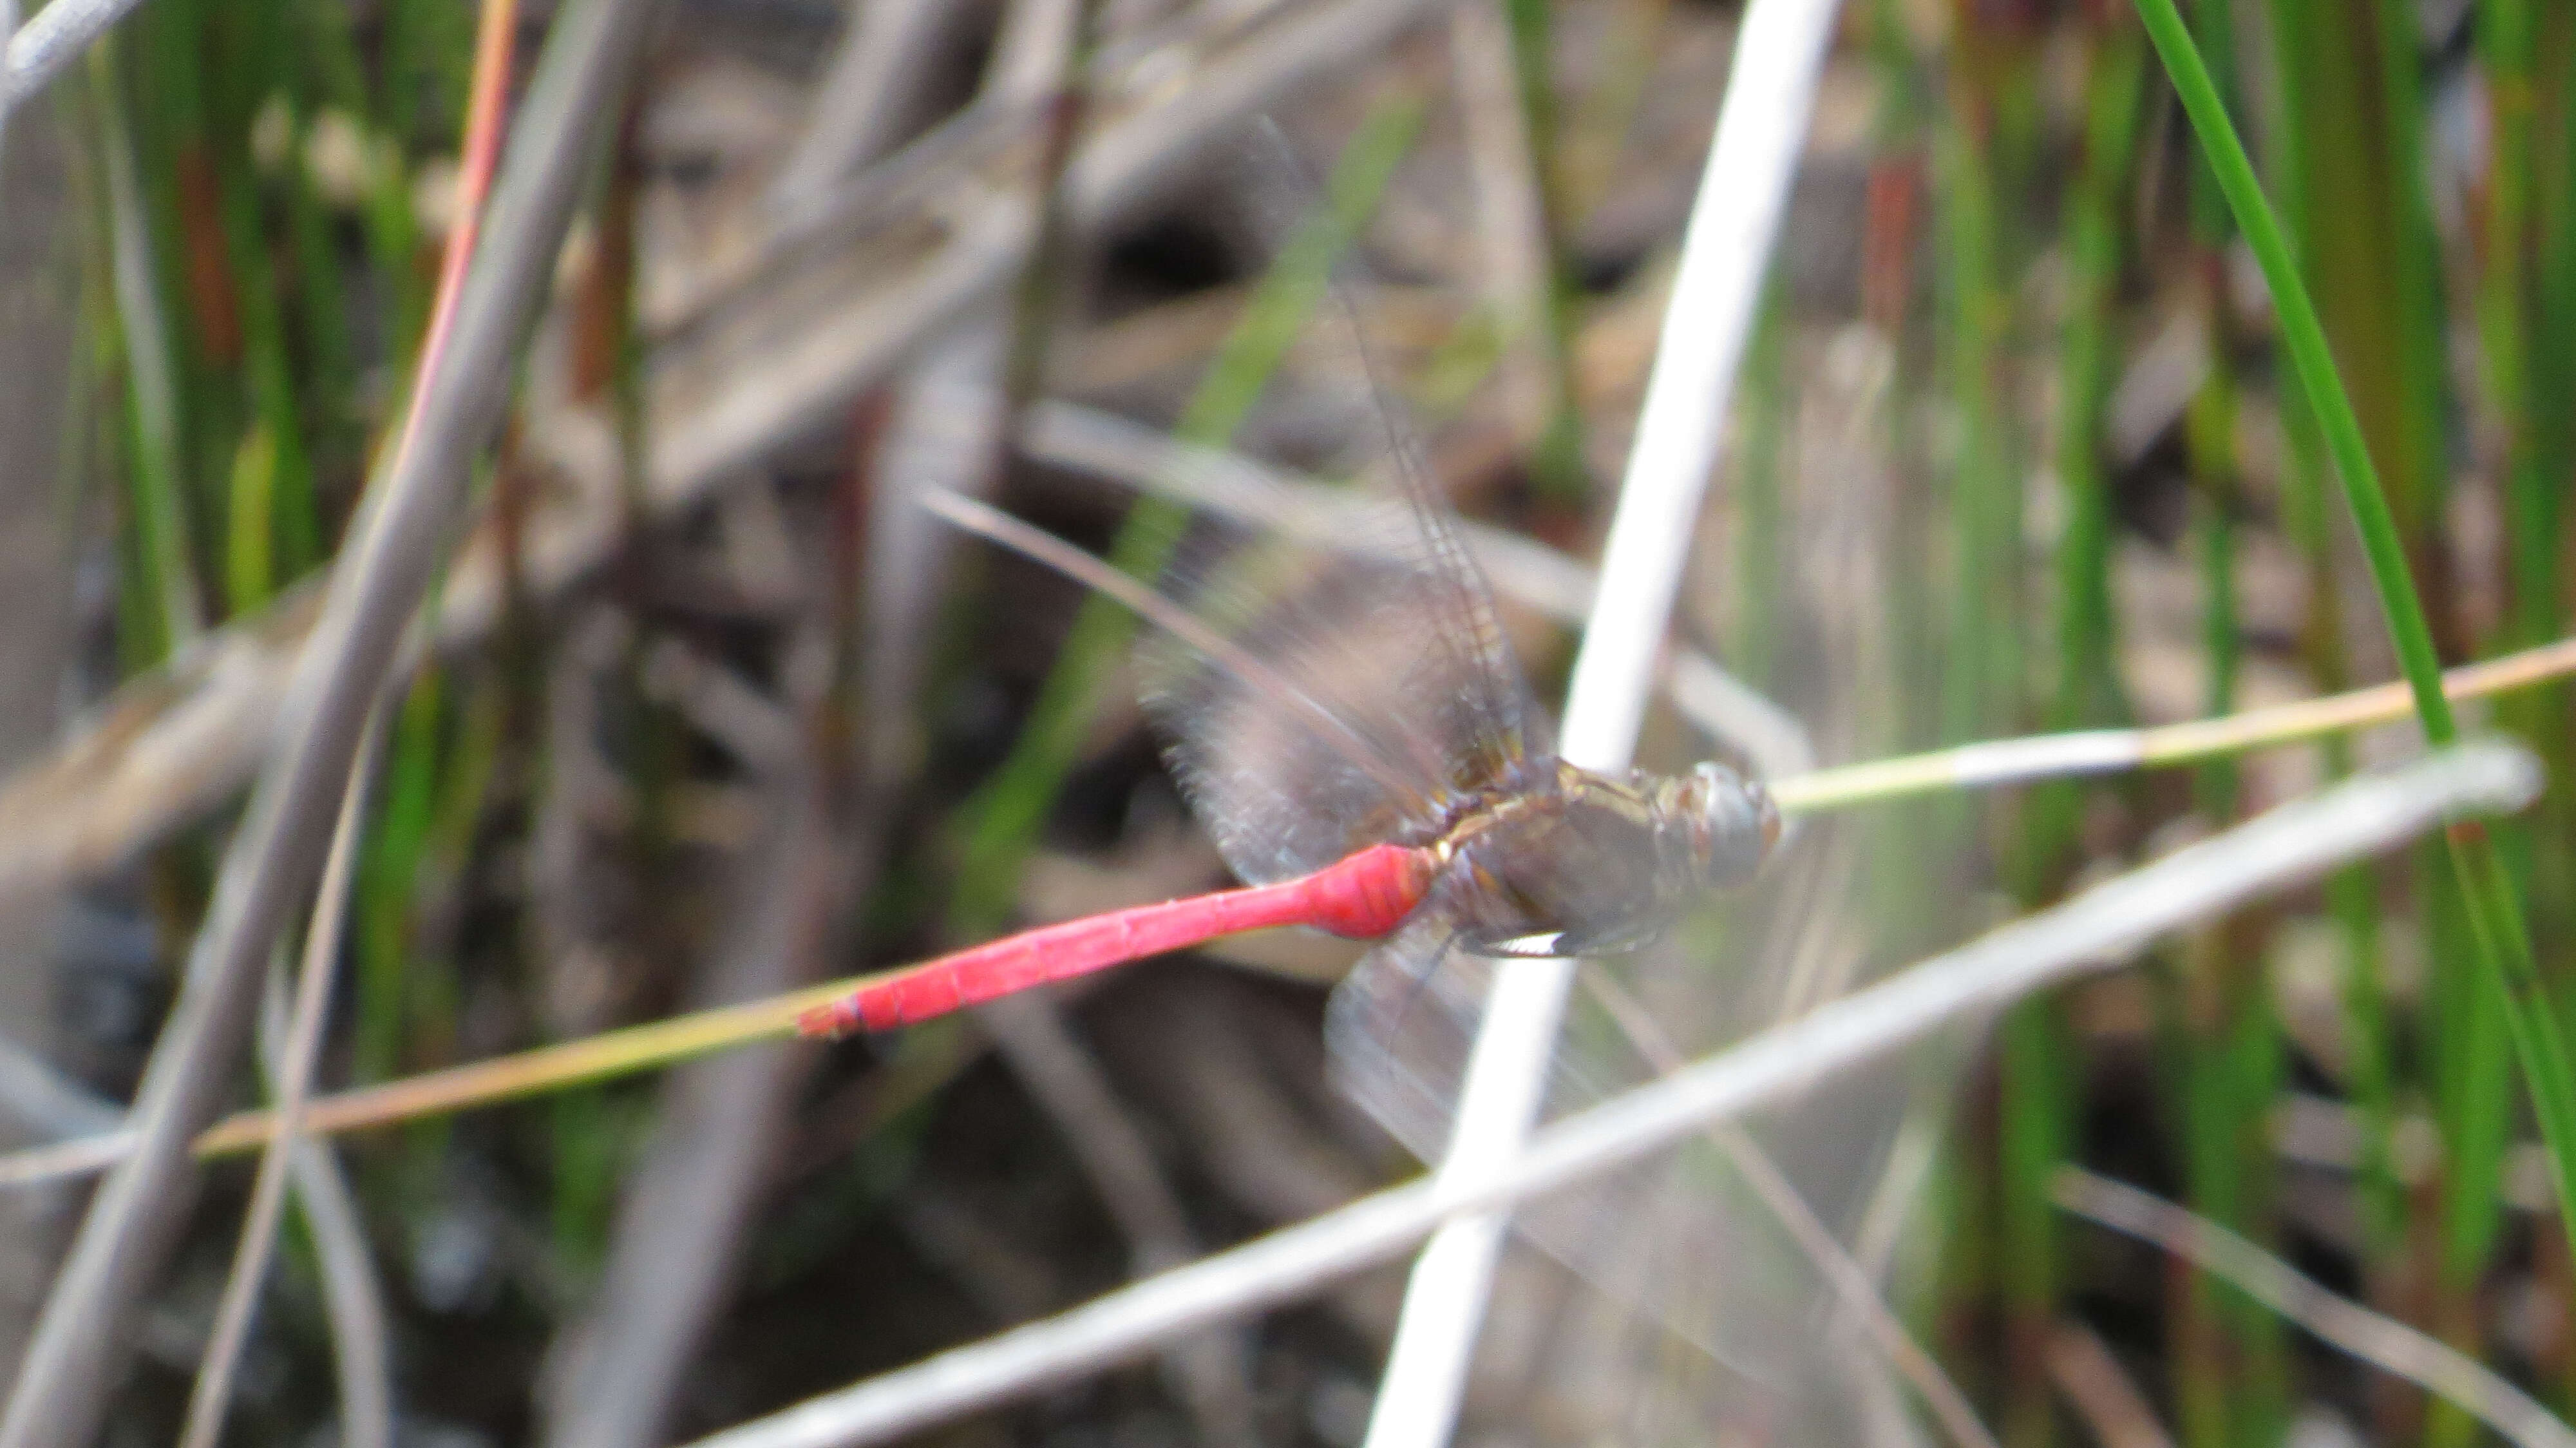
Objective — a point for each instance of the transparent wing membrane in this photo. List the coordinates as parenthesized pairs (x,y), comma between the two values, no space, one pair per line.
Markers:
(1698,1243)
(1390,642)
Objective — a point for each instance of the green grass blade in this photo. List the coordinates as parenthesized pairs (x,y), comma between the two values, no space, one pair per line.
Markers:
(2305,339)
(249,574)
(2088,686)
(388,872)
(162,551)
(1979,664)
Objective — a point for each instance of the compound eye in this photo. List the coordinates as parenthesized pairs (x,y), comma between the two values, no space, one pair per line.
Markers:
(1742,823)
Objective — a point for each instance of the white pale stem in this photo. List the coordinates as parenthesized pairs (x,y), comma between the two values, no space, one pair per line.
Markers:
(1761,126)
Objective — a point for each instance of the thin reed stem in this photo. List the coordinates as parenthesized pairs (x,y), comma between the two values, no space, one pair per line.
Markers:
(212,1392)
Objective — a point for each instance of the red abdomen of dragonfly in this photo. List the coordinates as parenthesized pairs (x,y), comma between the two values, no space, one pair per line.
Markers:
(1369,893)
(1362,896)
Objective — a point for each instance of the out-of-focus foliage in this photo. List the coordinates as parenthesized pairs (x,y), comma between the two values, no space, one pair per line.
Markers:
(2015,451)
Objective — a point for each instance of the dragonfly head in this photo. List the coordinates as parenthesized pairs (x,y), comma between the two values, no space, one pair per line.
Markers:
(1720,823)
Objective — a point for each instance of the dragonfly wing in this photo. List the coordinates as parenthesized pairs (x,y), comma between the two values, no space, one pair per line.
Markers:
(1729,1275)
(1331,701)
(1401,1024)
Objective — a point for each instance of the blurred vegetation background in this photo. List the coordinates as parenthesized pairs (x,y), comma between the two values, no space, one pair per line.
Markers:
(706,710)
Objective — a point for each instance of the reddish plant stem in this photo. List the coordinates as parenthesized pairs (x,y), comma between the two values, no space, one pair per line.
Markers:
(486,107)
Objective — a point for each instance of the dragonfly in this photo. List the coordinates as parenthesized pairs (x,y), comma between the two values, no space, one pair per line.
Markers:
(1365,751)
(1351,727)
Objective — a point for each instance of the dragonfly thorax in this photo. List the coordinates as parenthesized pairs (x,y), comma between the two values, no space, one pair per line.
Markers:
(1584,864)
